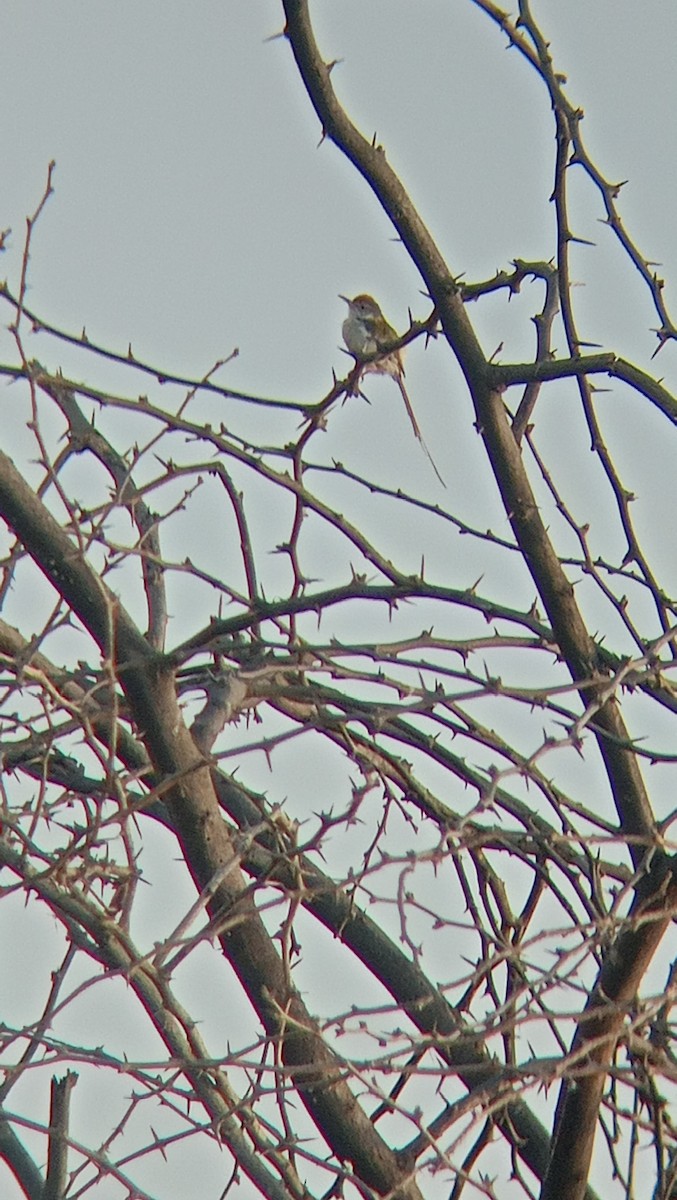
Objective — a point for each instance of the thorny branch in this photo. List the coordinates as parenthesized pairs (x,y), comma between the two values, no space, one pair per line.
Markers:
(420,827)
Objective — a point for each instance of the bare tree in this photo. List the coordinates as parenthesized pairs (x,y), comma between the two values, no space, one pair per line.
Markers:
(445,978)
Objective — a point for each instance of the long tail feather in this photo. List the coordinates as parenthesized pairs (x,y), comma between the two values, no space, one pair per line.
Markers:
(415,427)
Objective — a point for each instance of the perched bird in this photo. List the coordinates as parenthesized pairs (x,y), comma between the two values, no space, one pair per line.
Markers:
(368,336)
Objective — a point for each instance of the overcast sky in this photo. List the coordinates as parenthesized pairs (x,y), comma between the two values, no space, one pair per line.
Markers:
(196,211)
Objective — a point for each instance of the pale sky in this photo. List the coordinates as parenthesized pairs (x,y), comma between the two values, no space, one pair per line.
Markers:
(195,211)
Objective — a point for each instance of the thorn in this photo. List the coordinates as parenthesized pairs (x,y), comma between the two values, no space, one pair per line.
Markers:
(615,188)
(663,337)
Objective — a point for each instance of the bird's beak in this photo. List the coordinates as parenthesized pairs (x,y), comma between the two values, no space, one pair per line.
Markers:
(345,298)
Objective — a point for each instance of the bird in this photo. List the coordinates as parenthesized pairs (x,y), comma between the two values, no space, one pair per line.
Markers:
(369,338)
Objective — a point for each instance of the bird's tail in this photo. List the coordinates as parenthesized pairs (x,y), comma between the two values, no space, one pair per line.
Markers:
(415,426)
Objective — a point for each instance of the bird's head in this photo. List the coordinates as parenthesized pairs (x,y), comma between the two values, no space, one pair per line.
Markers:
(363,307)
